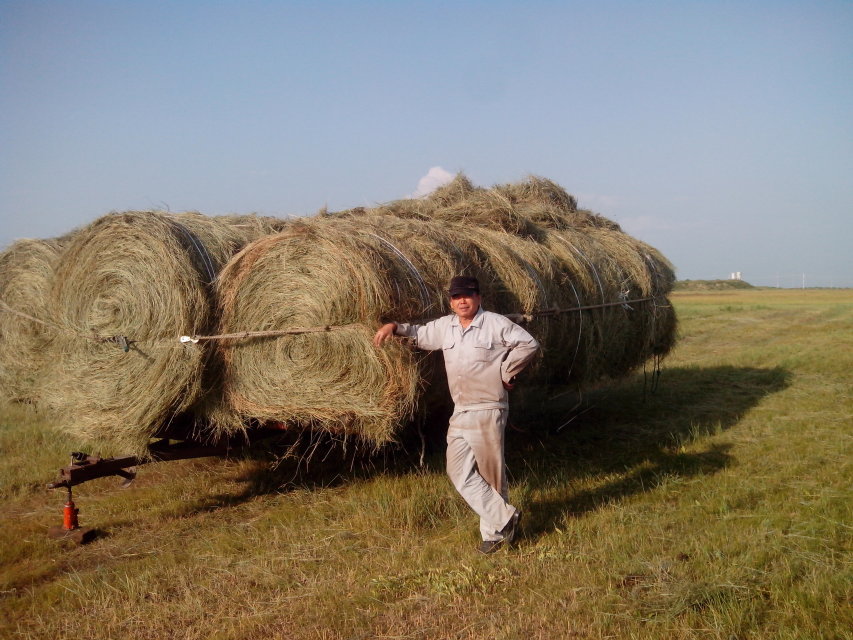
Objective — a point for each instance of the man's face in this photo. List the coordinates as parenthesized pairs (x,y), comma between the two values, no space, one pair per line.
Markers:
(465,305)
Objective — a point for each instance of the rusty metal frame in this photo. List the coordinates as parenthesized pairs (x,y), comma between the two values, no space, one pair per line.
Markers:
(174,444)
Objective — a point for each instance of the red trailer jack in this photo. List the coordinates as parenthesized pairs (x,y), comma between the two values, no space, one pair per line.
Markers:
(71,529)
(69,514)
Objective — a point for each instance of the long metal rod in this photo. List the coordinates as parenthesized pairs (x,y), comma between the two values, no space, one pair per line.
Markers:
(86,467)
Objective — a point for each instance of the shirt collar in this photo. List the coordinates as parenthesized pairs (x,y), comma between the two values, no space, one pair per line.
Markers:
(476,321)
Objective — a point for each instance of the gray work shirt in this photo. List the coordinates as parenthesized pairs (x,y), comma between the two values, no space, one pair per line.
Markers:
(478,359)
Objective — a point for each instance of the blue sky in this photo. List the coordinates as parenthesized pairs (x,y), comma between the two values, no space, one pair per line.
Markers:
(719,132)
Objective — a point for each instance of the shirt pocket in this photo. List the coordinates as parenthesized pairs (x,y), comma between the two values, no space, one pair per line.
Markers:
(449,349)
(483,351)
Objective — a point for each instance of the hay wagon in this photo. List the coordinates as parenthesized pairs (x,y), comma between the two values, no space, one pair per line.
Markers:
(160,333)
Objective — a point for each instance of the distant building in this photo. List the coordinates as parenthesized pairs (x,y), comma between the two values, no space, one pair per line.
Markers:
(736,275)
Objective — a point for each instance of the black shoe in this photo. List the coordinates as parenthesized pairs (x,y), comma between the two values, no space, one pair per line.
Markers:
(489,546)
(512,527)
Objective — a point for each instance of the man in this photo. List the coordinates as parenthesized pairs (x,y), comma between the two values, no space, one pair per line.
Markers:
(483,352)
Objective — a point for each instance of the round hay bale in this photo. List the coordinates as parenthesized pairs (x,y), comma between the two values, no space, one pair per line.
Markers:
(26,275)
(314,275)
(126,288)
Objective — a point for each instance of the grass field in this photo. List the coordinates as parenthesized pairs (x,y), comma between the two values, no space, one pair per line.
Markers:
(718,506)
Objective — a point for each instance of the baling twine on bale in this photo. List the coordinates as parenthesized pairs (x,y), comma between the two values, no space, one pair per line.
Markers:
(520,318)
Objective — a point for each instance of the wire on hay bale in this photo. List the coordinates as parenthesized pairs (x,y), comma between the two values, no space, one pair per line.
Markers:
(532,251)
(126,287)
(26,275)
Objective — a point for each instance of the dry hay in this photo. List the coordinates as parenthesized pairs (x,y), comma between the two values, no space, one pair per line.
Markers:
(529,245)
(597,263)
(348,272)
(26,275)
(143,277)
(323,272)
(150,277)
(605,266)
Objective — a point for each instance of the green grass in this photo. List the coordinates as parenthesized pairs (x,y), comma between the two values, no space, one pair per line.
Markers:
(717,507)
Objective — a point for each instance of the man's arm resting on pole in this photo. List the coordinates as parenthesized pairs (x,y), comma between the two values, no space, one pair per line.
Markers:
(427,336)
(385,331)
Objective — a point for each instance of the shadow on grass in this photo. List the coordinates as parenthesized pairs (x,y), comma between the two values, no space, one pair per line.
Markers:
(624,440)
(555,439)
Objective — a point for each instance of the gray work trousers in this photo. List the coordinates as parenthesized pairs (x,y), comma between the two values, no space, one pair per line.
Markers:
(476,467)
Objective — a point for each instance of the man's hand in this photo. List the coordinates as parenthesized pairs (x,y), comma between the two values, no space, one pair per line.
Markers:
(385,332)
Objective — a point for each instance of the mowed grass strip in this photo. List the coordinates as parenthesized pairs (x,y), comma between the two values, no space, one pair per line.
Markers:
(718,506)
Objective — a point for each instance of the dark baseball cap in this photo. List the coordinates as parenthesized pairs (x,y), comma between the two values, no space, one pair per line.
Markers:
(463,285)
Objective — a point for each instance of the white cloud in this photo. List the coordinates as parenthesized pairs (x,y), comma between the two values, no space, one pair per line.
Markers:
(434,178)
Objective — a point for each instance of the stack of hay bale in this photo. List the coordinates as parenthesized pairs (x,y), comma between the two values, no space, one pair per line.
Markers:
(105,308)
(534,252)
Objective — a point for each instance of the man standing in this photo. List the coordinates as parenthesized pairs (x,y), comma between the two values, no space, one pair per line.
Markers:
(483,351)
